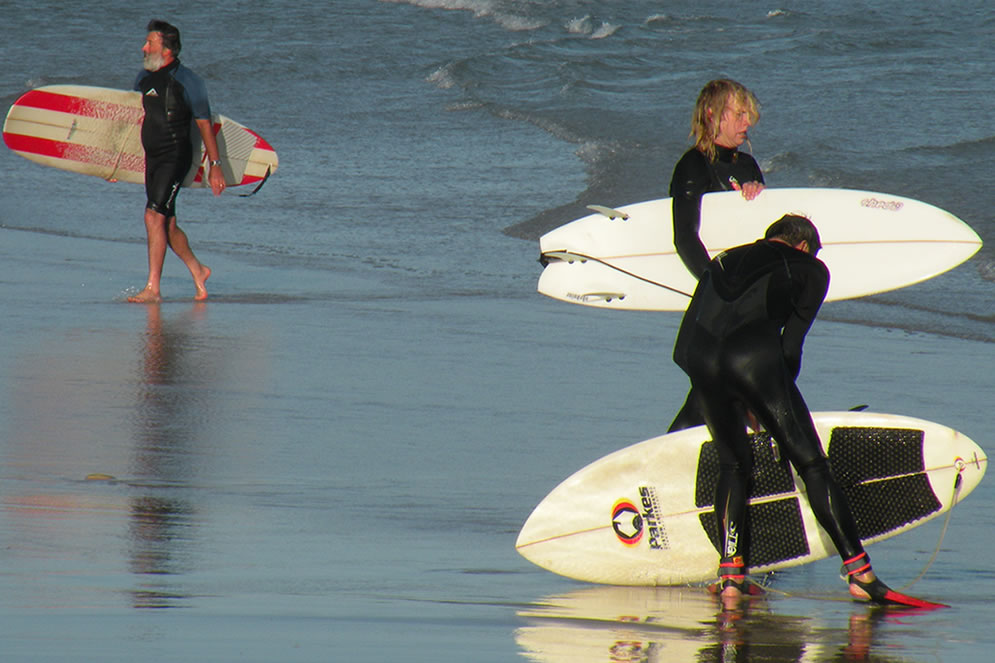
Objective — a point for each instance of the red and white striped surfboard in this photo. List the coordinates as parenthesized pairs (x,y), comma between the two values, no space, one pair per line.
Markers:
(97,131)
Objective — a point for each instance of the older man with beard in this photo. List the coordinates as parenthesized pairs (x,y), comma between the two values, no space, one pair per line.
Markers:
(174,99)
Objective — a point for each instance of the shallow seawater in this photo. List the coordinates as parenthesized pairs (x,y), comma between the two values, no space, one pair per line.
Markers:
(331,458)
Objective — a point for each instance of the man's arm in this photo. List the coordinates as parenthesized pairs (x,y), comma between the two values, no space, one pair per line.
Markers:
(216,177)
(806,307)
(195,95)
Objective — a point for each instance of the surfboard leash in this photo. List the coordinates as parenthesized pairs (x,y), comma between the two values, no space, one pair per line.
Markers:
(258,186)
(958,482)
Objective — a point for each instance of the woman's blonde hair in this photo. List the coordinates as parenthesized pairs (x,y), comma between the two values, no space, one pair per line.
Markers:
(712,102)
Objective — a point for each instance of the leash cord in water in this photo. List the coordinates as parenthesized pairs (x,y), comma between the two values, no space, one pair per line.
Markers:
(943,532)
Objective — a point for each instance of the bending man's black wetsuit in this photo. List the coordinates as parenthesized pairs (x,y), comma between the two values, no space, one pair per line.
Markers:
(173,97)
(694,176)
(741,344)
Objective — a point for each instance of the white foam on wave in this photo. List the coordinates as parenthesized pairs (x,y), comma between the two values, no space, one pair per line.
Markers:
(516,23)
(606,30)
(478,7)
(584,25)
(490,9)
(658,18)
(579,26)
(442,78)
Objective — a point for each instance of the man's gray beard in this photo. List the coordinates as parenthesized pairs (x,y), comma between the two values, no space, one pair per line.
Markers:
(154,62)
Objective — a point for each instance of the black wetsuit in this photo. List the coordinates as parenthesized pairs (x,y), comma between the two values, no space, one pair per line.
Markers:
(173,97)
(740,342)
(694,176)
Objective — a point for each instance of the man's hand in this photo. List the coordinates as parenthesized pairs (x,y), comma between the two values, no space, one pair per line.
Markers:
(216,178)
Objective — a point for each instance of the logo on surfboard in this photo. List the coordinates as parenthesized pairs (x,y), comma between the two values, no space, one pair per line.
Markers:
(887,205)
(627,522)
(630,522)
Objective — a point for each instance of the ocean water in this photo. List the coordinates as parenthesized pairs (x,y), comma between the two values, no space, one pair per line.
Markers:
(330,459)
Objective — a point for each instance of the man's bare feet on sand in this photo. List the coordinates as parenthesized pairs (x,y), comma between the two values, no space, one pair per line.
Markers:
(205,273)
(147,296)
(150,296)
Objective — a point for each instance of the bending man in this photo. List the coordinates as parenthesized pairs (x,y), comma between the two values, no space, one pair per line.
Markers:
(740,342)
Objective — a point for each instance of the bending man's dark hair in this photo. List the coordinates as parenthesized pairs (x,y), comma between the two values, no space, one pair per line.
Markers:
(793,228)
(170,35)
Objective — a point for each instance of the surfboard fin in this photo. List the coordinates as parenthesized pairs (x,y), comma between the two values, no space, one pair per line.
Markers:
(610,212)
(563,256)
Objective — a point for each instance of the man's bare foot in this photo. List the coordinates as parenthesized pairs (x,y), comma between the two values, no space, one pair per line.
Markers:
(146,296)
(199,283)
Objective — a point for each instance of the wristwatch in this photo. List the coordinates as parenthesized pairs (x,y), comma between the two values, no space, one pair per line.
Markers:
(215,163)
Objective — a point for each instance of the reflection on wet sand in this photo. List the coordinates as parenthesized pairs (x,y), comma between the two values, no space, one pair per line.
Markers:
(102,446)
(170,405)
(606,624)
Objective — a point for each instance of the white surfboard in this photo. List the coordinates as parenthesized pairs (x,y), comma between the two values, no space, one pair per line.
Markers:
(872,243)
(97,131)
(643,515)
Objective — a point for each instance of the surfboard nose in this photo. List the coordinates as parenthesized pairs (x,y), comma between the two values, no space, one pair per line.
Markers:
(970,465)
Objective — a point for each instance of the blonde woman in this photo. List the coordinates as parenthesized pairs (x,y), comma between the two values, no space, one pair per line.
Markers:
(723,114)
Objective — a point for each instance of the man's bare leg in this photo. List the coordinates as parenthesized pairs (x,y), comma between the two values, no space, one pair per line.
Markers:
(155,230)
(181,247)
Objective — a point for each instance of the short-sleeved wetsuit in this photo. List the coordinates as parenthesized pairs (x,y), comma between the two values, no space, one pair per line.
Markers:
(740,342)
(173,97)
(694,176)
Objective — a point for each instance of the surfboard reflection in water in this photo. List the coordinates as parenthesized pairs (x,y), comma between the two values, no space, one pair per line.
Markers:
(663,624)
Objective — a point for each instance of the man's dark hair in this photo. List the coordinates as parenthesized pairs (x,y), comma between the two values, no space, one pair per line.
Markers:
(170,35)
(793,228)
